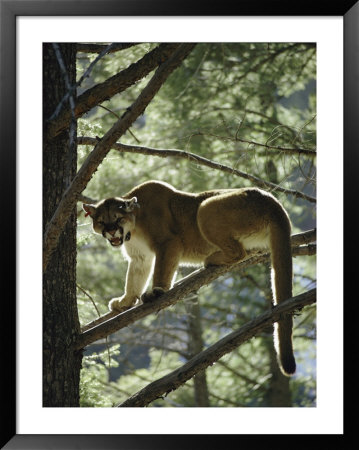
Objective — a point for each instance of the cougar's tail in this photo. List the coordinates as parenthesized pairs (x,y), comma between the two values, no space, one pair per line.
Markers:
(282,278)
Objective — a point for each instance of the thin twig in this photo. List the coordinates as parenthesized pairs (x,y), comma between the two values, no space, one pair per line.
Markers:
(72,89)
(89,296)
(118,117)
(88,71)
(298,150)
(165,153)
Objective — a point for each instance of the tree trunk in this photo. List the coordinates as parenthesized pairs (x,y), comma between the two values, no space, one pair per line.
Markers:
(195,346)
(61,366)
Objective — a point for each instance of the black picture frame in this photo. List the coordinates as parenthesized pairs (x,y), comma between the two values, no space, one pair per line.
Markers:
(9,10)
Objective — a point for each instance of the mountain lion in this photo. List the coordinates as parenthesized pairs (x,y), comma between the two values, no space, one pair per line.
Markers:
(158,227)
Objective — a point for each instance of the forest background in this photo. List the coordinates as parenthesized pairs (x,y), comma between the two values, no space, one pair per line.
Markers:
(250,108)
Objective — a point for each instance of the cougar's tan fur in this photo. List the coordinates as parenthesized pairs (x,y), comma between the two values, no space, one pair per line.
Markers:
(160,227)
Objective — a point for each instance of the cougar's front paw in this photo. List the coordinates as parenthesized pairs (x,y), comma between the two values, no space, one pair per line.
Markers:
(120,304)
(148,297)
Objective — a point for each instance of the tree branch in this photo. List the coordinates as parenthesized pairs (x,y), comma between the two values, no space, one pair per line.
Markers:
(199,160)
(114,85)
(98,48)
(289,150)
(112,321)
(69,199)
(72,89)
(208,357)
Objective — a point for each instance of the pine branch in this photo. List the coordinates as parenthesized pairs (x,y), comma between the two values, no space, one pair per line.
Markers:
(82,47)
(304,151)
(208,357)
(89,167)
(112,321)
(72,89)
(165,153)
(114,85)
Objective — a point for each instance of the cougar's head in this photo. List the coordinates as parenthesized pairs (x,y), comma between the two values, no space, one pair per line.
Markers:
(113,218)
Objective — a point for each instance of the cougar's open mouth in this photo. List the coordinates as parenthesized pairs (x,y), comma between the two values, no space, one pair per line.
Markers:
(116,241)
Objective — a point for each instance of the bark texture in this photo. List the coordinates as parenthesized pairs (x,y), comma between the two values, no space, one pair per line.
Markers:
(61,366)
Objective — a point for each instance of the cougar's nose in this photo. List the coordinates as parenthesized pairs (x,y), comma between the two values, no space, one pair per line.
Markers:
(110,228)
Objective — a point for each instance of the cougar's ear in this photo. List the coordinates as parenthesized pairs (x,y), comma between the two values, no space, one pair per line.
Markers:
(89,209)
(130,205)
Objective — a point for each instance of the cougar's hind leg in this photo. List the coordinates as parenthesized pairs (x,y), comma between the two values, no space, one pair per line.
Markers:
(216,231)
(230,252)
(217,227)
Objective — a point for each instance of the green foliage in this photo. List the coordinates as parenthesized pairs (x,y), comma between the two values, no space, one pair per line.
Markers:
(94,378)
(222,102)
